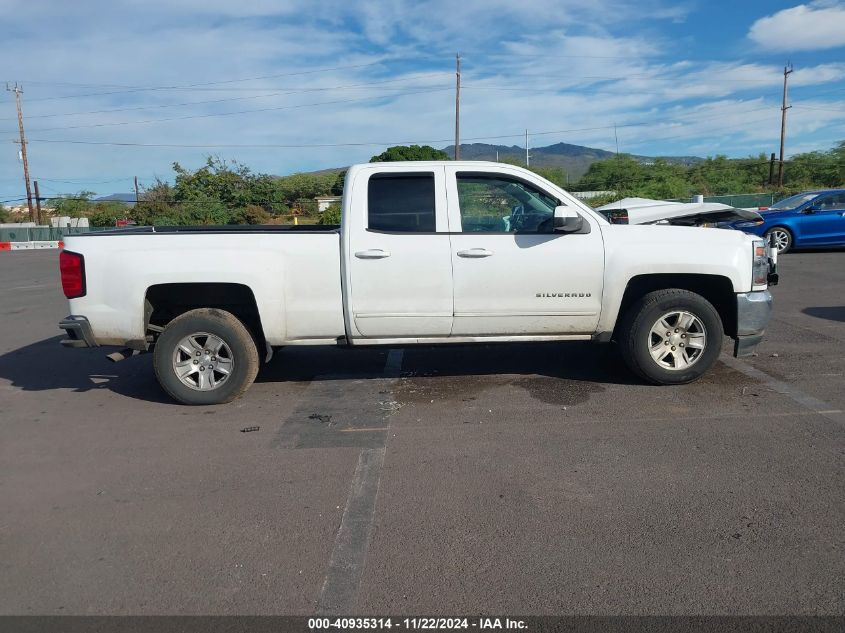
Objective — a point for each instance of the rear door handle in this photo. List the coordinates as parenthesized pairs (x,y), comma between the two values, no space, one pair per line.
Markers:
(475,253)
(373,253)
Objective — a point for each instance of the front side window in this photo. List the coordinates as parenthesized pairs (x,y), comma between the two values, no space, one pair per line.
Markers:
(401,203)
(498,204)
(793,201)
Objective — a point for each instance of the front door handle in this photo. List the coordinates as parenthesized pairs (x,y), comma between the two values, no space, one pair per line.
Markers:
(373,253)
(475,253)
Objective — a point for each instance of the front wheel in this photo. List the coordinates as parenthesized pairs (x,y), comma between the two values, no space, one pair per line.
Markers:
(670,337)
(205,356)
(783,238)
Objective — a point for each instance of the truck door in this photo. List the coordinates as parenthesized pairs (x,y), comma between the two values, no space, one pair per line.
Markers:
(399,276)
(513,274)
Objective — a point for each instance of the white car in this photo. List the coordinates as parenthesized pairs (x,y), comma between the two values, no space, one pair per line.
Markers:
(648,211)
(427,252)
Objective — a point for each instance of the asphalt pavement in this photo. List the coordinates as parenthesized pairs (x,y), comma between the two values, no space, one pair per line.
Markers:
(525,479)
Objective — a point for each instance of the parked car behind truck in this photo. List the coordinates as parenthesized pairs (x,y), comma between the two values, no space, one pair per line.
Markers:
(427,252)
(813,219)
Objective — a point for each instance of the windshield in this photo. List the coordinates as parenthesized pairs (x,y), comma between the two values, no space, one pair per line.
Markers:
(793,201)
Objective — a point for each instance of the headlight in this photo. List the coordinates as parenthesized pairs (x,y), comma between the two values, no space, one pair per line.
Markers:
(749,224)
(760,264)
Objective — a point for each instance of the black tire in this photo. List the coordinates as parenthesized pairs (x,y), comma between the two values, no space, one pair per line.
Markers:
(790,239)
(635,338)
(220,324)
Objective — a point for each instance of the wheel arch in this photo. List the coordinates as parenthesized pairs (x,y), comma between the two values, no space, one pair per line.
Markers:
(717,289)
(165,302)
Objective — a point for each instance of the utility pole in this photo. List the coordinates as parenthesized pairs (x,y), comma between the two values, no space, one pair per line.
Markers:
(136,190)
(787,70)
(457,106)
(527,155)
(18,90)
(772,169)
(37,203)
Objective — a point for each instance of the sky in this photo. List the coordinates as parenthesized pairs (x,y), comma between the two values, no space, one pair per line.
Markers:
(114,89)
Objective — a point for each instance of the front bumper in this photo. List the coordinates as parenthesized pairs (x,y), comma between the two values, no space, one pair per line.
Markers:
(753,312)
(79,332)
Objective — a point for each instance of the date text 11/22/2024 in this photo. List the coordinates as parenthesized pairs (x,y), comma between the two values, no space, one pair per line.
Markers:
(421,623)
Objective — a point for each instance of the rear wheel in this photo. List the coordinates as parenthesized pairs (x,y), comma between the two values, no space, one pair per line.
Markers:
(782,236)
(671,336)
(205,356)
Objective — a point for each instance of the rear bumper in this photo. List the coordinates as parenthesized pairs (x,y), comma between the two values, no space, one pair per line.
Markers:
(753,312)
(79,333)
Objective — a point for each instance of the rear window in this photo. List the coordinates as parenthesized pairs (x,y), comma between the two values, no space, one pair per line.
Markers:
(401,203)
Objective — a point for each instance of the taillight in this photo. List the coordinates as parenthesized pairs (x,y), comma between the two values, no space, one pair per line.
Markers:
(760,263)
(72,267)
(618,216)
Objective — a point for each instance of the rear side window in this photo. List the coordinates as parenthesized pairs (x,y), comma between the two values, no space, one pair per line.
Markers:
(401,203)
(835,201)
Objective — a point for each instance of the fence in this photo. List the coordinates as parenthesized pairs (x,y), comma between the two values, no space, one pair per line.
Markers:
(43,233)
(740,200)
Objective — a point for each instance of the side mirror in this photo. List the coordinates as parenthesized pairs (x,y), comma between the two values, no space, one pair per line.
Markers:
(811,209)
(567,220)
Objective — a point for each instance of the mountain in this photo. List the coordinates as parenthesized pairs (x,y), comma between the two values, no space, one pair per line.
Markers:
(574,159)
(119,197)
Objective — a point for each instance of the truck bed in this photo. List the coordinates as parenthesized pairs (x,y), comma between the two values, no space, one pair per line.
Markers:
(226,228)
(293,273)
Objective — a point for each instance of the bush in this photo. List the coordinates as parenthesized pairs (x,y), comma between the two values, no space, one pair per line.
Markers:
(330,215)
(107,213)
(250,214)
(304,207)
(203,213)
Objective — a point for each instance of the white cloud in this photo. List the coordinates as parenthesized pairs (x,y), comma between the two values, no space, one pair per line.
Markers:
(546,65)
(807,27)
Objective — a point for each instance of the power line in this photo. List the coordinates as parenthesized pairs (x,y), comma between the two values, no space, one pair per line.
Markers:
(806,107)
(270,94)
(367,143)
(238,112)
(195,86)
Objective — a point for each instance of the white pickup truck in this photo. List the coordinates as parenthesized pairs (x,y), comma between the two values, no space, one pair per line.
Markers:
(427,252)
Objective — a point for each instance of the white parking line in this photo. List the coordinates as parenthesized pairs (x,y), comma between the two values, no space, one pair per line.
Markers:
(349,556)
(805,400)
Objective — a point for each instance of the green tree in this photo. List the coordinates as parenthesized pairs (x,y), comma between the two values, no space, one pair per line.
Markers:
(556,175)
(337,187)
(108,212)
(73,205)
(203,212)
(330,215)
(156,201)
(662,180)
(220,180)
(4,214)
(622,174)
(816,169)
(410,152)
(297,190)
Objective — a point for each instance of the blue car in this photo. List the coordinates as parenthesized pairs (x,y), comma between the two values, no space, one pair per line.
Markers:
(807,220)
